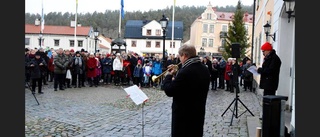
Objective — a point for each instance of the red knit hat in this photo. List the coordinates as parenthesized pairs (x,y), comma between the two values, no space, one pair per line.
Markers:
(108,55)
(266,46)
(139,61)
(71,50)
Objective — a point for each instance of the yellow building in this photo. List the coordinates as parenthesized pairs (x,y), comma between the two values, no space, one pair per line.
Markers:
(208,30)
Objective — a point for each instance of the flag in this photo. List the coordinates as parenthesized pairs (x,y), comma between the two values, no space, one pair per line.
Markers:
(42,19)
(122,11)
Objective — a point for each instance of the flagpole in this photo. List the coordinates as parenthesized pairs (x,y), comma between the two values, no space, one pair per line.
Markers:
(119,34)
(172,36)
(75,26)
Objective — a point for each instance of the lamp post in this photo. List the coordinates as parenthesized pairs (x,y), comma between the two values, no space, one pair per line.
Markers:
(289,5)
(96,33)
(164,23)
(40,39)
(267,28)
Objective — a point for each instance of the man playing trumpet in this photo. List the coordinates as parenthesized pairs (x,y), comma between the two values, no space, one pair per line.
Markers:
(189,90)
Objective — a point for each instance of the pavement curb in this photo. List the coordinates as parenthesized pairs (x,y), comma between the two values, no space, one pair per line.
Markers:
(252,124)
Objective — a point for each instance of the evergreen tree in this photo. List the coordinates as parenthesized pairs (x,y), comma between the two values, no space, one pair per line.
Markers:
(237,33)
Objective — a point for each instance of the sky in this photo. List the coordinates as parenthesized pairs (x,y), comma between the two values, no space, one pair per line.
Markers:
(85,6)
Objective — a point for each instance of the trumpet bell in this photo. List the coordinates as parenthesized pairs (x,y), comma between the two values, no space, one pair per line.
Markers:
(154,78)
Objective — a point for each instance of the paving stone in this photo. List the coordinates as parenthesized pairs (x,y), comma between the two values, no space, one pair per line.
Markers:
(106,111)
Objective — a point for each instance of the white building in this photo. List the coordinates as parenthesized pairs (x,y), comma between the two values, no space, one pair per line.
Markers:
(283,32)
(146,37)
(63,37)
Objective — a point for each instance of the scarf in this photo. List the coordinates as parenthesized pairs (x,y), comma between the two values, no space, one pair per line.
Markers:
(190,61)
(78,61)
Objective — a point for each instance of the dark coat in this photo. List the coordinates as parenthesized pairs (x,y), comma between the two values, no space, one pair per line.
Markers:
(77,69)
(106,65)
(269,79)
(37,71)
(189,90)
(215,68)
(60,64)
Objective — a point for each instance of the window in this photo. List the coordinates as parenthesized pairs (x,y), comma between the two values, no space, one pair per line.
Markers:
(211,29)
(27,41)
(204,42)
(158,32)
(133,43)
(148,44)
(56,42)
(71,43)
(224,28)
(205,28)
(149,32)
(80,43)
(209,16)
(157,44)
(174,44)
(210,42)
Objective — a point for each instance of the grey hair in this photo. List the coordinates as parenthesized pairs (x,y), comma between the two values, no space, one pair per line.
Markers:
(187,50)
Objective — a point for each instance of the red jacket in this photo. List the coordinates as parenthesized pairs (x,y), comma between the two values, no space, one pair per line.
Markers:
(228,70)
(91,67)
(126,64)
(50,64)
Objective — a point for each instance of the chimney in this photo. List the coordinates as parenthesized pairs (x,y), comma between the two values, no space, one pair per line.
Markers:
(37,22)
(72,23)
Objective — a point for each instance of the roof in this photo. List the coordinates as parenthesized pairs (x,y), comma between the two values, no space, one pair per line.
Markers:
(133,29)
(59,30)
(228,16)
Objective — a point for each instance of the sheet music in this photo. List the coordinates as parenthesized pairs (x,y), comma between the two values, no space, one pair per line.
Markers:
(136,94)
(253,70)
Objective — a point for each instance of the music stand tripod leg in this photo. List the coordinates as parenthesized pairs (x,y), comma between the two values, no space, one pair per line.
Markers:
(228,107)
(246,107)
(33,93)
(235,109)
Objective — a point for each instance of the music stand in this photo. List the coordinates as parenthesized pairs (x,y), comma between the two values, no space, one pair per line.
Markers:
(138,97)
(236,99)
(33,93)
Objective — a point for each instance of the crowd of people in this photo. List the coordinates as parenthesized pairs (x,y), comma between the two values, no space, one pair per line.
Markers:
(69,69)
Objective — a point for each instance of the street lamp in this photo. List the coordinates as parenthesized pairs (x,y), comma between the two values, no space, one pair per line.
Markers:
(267,28)
(289,5)
(96,33)
(40,39)
(164,23)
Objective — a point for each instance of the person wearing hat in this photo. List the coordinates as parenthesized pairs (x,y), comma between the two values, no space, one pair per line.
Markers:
(270,70)
(37,68)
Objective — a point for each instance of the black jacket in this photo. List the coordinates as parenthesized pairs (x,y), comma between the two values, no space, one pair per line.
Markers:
(189,91)
(270,71)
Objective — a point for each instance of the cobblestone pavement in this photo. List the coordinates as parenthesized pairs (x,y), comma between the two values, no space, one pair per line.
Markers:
(107,111)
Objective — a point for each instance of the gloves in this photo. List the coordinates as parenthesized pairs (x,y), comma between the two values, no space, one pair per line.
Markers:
(91,69)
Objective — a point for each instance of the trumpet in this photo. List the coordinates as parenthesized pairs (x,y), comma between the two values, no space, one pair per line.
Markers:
(156,78)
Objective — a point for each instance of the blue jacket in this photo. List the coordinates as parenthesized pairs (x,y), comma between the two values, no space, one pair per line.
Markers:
(157,68)
(106,65)
(138,72)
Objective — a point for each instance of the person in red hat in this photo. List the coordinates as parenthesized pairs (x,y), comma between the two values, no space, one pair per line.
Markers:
(270,70)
